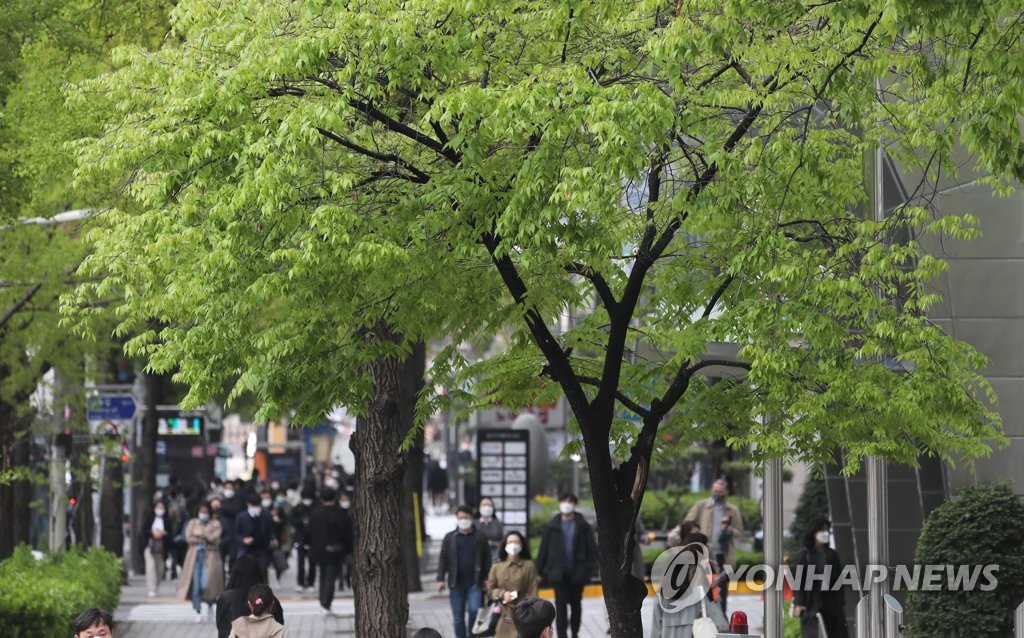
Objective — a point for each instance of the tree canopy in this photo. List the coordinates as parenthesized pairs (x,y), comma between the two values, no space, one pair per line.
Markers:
(658,178)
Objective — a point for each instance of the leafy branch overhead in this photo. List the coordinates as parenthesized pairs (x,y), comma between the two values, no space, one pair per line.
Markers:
(668,183)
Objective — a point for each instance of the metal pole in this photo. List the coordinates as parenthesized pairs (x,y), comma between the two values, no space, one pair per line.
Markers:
(1018,622)
(878,543)
(773,616)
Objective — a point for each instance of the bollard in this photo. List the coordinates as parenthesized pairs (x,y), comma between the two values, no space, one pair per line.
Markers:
(893,617)
(862,617)
(1018,622)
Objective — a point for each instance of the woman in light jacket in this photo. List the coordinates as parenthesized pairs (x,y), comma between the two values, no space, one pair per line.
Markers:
(511,580)
(202,576)
(679,623)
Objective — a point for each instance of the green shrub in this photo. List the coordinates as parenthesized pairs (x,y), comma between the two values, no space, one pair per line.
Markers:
(983,525)
(40,598)
(813,504)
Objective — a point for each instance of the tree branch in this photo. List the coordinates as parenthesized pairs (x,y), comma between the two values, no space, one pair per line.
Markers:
(622,398)
(373,113)
(420,176)
(718,295)
(19,304)
(604,291)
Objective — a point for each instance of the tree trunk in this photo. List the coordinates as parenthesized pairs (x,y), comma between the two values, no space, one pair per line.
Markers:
(81,489)
(616,513)
(112,509)
(7,464)
(412,521)
(381,601)
(144,467)
(21,510)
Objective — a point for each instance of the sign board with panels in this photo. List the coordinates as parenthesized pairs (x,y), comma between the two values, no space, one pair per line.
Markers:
(503,465)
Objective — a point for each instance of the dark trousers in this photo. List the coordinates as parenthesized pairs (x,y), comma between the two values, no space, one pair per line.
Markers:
(723,587)
(307,568)
(568,597)
(330,567)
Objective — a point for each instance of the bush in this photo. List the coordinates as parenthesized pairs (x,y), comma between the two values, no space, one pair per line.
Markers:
(40,598)
(813,504)
(983,525)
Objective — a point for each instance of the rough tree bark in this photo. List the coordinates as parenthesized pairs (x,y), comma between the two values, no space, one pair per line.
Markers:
(144,467)
(112,497)
(16,495)
(381,604)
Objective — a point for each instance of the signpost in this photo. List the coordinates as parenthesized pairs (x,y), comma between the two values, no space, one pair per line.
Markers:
(503,469)
(110,408)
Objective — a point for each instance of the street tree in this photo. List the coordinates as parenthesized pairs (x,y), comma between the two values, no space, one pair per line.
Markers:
(49,43)
(662,205)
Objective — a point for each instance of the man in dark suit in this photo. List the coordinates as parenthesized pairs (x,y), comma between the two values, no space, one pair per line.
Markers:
(330,540)
(567,553)
(254,532)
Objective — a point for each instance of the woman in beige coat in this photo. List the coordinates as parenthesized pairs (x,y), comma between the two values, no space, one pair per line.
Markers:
(202,576)
(511,580)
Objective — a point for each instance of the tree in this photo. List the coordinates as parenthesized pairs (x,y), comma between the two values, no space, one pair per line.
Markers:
(689,175)
(49,44)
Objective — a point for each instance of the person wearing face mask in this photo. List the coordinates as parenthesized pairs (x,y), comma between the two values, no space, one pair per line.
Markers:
(463,565)
(154,538)
(254,532)
(231,506)
(330,540)
(202,575)
(490,526)
(511,579)
(300,519)
(723,523)
(345,575)
(819,595)
(567,554)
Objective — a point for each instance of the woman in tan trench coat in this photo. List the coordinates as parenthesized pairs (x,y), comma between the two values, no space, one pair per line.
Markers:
(202,576)
(511,580)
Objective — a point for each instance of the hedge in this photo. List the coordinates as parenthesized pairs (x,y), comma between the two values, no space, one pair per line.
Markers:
(663,509)
(39,598)
(983,525)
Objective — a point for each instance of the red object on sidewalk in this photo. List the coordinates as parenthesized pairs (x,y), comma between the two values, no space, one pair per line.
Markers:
(738,623)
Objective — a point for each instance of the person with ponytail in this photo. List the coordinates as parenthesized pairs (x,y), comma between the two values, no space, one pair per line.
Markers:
(260,623)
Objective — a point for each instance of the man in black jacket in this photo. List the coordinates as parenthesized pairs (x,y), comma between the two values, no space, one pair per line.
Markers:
(254,533)
(330,540)
(300,518)
(567,553)
(464,564)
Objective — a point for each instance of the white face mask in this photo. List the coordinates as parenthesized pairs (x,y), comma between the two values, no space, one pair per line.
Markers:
(513,549)
(331,483)
(255,511)
(203,518)
(822,537)
(486,510)
(464,523)
(307,502)
(229,493)
(275,486)
(266,502)
(159,512)
(345,504)
(566,508)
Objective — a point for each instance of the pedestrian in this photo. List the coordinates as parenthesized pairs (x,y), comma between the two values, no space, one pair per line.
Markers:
(177,519)
(566,557)
(155,541)
(348,562)
(279,527)
(490,525)
(232,505)
(260,623)
(300,518)
(254,532)
(642,538)
(427,632)
(511,580)
(202,575)
(93,623)
(463,564)
(669,622)
(816,591)
(330,539)
(681,531)
(533,617)
(233,603)
(722,522)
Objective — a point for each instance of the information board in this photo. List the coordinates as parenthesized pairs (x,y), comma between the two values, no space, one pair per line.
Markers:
(503,466)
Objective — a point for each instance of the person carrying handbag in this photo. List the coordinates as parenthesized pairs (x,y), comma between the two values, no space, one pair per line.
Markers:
(510,580)
(699,620)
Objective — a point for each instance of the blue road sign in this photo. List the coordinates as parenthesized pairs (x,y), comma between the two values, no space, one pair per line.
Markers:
(110,408)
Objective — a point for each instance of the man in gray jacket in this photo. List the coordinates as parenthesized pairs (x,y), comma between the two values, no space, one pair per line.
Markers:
(463,565)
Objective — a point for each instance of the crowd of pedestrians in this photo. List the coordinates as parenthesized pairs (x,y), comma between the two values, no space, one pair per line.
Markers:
(244,532)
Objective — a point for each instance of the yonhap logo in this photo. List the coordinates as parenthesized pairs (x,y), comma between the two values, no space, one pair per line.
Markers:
(682,574)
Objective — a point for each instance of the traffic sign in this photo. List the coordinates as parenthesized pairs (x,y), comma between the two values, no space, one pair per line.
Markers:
(110,408)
